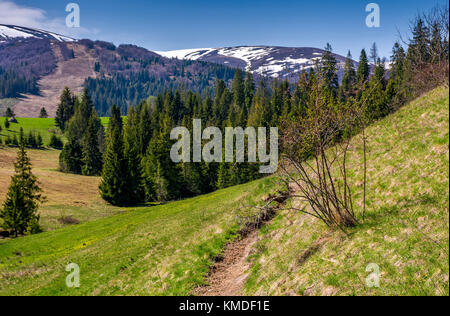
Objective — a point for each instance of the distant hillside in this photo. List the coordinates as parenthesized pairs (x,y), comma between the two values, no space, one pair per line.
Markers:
(35,65)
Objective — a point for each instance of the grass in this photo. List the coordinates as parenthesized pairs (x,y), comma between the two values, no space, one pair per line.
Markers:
(406,232)
(44,126)
(154,250)
(67,194)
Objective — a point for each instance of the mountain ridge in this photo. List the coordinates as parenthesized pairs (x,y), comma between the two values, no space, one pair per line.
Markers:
(269,61)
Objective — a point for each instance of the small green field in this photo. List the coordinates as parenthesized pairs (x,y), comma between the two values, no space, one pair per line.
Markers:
(43,126)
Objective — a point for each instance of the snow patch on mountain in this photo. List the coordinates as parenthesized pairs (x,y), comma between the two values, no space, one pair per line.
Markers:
(271,61)
(8,32)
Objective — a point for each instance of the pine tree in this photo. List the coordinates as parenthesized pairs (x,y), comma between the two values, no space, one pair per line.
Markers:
(65,109)
(19,213)
(162,174)
(92,157)
(134,179)
(56,142)
(418,51)
(79,121)
(329,70)
(39,141)
(9,112)
(43,113)
(349,79)
(362,74)
(71,157)
(113,184)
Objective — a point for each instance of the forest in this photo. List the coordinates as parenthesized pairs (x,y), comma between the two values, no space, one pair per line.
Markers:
(133,154)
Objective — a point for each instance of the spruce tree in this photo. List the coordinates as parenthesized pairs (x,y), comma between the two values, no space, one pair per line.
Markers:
(9,112)
(19,213)
(92,157)
(113,184)
(65,109)
(349,78)
(362,74)
(329,70)
(43,113)
(71,157)
(134,177)
(162,174)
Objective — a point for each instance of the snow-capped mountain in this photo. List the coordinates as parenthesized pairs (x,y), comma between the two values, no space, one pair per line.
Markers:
(8,32)
(272,61)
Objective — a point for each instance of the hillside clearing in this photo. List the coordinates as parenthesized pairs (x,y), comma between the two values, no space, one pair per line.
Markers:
(71,73)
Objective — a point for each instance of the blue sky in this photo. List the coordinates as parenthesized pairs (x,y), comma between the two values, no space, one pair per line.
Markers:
(179,24)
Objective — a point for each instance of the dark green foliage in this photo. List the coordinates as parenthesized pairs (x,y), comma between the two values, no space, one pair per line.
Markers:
(329,70)
(82,154)
(65,109)
(13,84)
(9,112)
(363,72)
(113,187)
(163,177)
(134,178)
(43,113)
(347,88)
(71,157)
(56,142)
(19,212)
(92,157)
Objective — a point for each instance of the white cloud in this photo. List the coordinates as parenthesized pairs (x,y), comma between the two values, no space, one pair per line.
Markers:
(12,13)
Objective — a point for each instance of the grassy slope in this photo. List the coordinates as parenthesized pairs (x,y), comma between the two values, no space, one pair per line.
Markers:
(164,249)
(407,229)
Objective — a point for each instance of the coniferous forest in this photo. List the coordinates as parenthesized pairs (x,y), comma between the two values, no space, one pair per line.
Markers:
(133,154)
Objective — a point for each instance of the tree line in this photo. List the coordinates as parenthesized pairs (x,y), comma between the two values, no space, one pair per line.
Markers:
(133,156)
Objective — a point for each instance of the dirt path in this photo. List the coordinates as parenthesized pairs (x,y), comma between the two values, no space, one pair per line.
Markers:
(71,73)
(228,276)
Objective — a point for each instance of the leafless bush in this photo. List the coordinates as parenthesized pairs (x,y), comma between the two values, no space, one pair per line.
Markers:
(68,220)
(315,151)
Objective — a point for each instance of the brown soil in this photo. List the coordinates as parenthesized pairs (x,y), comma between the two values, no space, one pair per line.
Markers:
(229,273)
(71,73)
